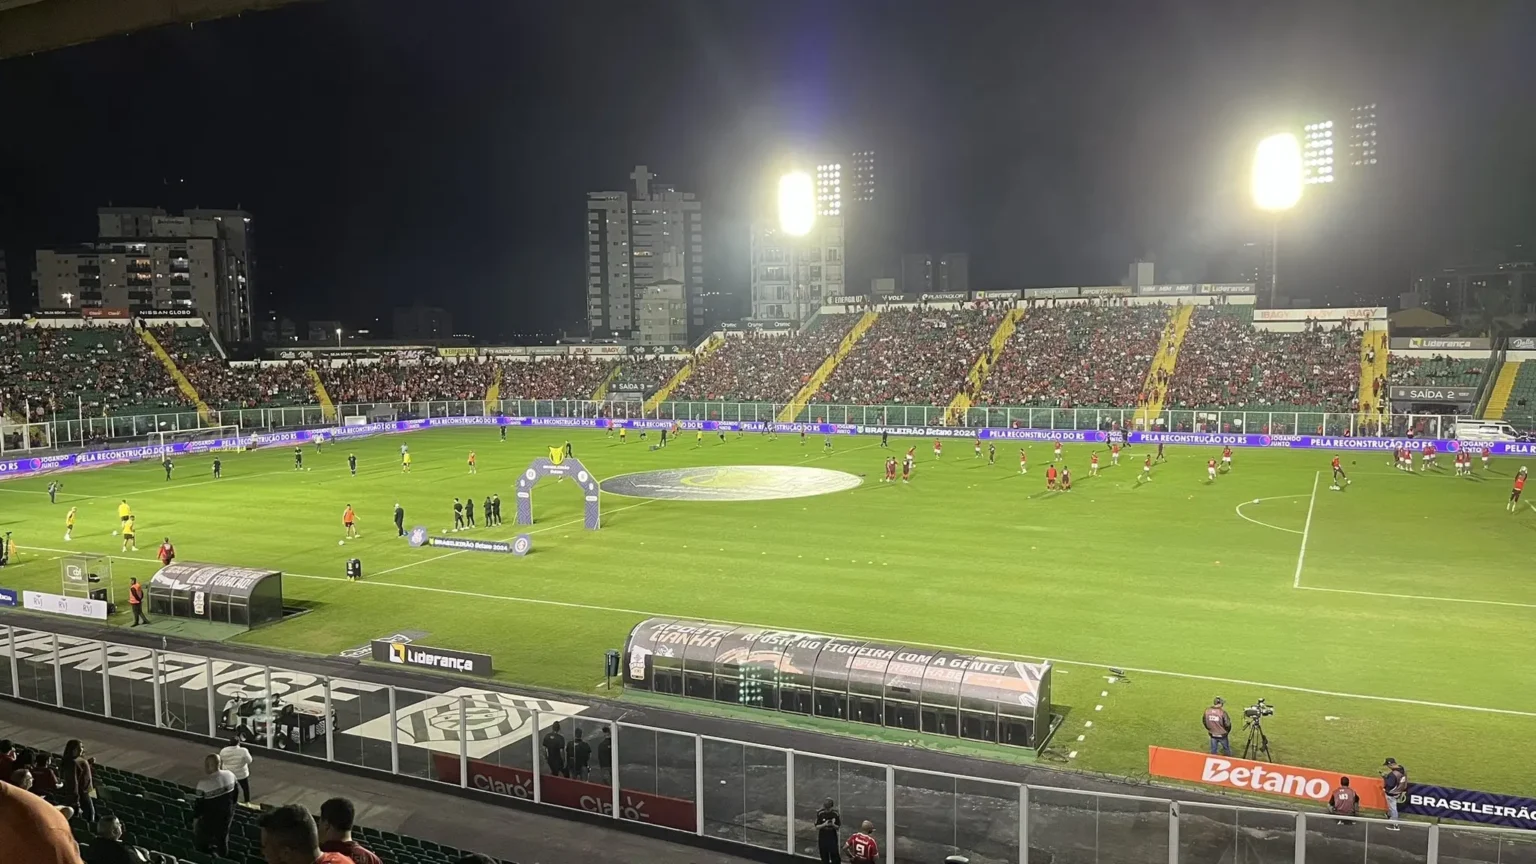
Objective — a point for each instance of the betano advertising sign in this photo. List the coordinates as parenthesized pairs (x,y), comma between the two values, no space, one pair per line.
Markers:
(634,806)
(1290,781)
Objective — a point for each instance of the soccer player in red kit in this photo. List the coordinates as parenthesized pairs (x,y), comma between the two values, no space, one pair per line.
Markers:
(938,448)
(1050,477)
(1146,470)
(1093,465)
(1486,453)
(906,468)
(978,447)
(1023,461)
(912,453)
(1226,458)
(860,847)
(890,469)
(1056,457)
(1338,474)
(1514,494)
(1066,479)
(1114,453)
(1210,470)
(1428,456)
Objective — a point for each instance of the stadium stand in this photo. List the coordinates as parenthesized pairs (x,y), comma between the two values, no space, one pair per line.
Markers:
(395,379)
(911,357)
(1226,363)
(157,817)
(548,378)
(1077,356)
(652,372)
(757,368)
(1436,371)
(55,371)
(1520,410)
(225,387)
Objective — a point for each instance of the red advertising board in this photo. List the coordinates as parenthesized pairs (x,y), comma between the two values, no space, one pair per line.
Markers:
(565,792)
(103,312)
(1306,784)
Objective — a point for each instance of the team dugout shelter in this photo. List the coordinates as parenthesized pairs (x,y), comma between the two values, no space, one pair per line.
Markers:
(218,593)
(897,686)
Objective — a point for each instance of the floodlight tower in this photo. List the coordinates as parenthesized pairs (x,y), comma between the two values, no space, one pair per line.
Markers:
(1276,188)
(797,216)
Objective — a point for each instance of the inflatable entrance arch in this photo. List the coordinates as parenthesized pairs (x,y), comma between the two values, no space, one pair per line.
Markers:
(557,464)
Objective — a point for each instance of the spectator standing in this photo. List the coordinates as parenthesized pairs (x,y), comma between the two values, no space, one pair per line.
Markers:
(1395,784)
(108,847)
(828,823)
(75,780)
(337,817)
(235,759)
(578,754)
(554,750)
(861,846)
(214,809)
(289,836)
(605,754)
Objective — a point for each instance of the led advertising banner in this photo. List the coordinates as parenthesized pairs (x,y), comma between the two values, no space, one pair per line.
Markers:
(1467,805)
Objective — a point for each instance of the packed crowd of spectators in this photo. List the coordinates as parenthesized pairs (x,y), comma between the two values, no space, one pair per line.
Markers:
(1436,371)
(402,380)
(222,386)
(912,357)
(57,371)
(1227,363)
(551,378)
(759,368)
(1077,356)
(652,372)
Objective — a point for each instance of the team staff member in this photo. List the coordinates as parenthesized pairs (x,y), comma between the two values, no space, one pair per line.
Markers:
(1218,725)
(399,520)
(136,602)
(861,846)
(828,821)
(218,468)
(166,553)
(1344,801)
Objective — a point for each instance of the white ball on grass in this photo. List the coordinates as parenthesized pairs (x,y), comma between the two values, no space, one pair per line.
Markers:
(341,542)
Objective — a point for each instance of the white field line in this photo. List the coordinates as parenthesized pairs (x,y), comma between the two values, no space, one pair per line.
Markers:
(1306,530)
(1509,603)
(534,531)
(1239,510)
(165,487)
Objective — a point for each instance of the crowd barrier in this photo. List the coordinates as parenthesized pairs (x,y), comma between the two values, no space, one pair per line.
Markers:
(479,737)
(90,458)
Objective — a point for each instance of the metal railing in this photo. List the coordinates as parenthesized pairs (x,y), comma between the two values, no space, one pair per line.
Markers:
(101,430)
(491,741)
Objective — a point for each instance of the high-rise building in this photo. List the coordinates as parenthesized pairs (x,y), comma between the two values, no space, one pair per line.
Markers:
(629,234)
(145,259)
(792,277)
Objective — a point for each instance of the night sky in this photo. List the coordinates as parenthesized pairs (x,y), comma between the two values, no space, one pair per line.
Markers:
(393,150)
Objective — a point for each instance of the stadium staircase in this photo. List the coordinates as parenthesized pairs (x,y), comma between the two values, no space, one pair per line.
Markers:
(1503,387)
(157,816)
(327,407)
(1374,340)
(954,415)
(493,392)
(182,383)
(824,371)
(601,392)
(714,341)
(1165,360)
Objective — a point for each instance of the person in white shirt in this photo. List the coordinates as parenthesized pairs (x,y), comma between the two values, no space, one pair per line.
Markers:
(214,809)
(237,761)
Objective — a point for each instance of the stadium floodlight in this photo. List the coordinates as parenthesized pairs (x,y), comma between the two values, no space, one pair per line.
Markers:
(1277,173)
(338,337)
(797,204)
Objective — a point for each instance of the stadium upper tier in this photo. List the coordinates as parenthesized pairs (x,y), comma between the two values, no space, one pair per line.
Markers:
(1059,356)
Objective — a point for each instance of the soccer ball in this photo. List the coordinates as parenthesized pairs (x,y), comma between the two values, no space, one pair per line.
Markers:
(341,542)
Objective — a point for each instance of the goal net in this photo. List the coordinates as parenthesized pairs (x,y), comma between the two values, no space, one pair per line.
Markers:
(205,440)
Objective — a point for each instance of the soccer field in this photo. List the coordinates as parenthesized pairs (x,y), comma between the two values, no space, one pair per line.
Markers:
(1388,619)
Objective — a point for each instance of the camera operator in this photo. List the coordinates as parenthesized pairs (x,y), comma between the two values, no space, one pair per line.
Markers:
(1218,725)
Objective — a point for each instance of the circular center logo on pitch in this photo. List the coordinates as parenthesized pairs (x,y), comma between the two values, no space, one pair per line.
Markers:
(731,483)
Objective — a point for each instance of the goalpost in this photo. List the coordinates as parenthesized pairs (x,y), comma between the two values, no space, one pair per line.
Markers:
(205,440)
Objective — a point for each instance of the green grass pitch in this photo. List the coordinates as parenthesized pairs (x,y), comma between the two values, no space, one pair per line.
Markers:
(1409,634)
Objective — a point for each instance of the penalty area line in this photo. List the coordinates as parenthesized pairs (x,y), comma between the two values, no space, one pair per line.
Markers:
(1306,530)
(618,610)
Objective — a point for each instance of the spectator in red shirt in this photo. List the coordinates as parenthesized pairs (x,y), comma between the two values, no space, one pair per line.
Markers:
(167,553)
(861,846)
(289,836)
(336,819)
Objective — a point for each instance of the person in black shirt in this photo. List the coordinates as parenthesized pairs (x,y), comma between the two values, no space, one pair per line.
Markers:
(108,847)
(577,754)
(298,458)
(554,751)
(458,514)
(399,520)
(495,509)
(828,821)
(352,463)
(165,463)
(503,433)
(605,755)
(218,468)
(469,513)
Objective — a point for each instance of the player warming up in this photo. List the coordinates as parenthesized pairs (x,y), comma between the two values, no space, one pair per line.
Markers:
(69,524)
(473,468)
(1514,494)
(1023,461)
(349,522)
(1093,465)
(129,544)
(1056,454)
(976,448)
(890,470)
(352,463)
(1210,470)
(1114,454)
(1146,470)
(124,513)
(405,462)
(1066,479)
(1226,459)
(298,458)
(1050,478)
(1338,474)
(906,467)
(991,453)
(1486,453)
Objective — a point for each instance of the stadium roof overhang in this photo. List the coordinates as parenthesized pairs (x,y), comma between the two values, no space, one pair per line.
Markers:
(31,26)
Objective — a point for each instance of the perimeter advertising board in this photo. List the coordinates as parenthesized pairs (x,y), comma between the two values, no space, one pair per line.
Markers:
(1353,313)
(1443,343)
(646,807)
(440,659)
(1469,805)
(1289,781)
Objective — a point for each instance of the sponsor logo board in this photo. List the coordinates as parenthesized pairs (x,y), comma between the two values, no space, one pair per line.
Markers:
(945,296)
(1035,293)
(366,650)
(58,604)
(567,792)
(1290,781)
(1013,294)
(1443,343)
(1467,805)
(1105,291)
(1432,394)
(1225,288)
(409,653)
(1354,313)
(1522,343)
(491,721)
(8,597)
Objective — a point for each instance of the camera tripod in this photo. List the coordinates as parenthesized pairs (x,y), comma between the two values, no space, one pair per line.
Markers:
(1257,745)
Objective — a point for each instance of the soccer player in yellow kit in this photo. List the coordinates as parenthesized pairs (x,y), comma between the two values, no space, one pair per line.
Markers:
(69,524)
(124,513)
(128,537)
